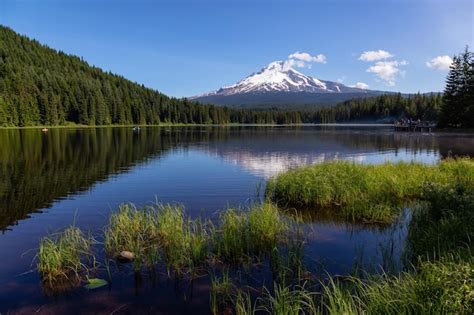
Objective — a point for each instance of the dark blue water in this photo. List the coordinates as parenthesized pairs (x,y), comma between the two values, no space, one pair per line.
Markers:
(51,180)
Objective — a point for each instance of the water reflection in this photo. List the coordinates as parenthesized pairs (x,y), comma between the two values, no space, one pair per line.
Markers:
(38,168)
(266,153)
(81,175)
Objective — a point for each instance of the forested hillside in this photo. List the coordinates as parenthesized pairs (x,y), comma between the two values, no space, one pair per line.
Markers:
(42,86)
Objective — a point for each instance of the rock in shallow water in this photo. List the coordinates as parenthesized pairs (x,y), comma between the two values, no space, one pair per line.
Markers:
(126,256)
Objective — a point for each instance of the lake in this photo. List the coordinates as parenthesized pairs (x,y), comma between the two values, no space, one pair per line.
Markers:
(51,180)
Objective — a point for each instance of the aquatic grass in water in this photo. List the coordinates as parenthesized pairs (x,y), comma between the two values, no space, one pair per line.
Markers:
(185,242)
(158,231)
(265,225)
(288,300)
(61,256)
(221,291)
(245,234)
(200,237)
(373,193)
(172,235)
(243,303)
(442,287)
(445,286)
(233,239)
(134,230)
(443,224)
(165,233)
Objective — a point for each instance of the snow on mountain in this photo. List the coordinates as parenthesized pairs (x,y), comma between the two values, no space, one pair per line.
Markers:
(279,77)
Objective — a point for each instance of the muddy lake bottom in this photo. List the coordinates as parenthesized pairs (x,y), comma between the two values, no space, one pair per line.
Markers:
(51,180)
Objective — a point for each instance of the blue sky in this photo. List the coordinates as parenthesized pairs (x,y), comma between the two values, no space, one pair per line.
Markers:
(184,48)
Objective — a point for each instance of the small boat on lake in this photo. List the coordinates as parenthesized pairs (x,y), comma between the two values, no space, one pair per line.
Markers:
(136,128)
(44,130)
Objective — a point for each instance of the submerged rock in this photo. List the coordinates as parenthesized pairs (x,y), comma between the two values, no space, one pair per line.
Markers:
(126,256)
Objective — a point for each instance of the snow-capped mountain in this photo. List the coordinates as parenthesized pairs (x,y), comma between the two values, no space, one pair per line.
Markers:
(280,77)
(279,83)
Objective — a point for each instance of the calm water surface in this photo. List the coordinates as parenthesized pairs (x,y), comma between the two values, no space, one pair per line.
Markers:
(51,180)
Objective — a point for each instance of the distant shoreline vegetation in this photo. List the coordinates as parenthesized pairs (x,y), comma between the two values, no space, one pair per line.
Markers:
(40,86)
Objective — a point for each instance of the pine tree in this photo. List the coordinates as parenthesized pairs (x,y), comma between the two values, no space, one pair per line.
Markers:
(458,101)
(450,113)
(469,63)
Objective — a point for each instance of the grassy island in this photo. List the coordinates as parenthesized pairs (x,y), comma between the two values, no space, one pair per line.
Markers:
(371,193)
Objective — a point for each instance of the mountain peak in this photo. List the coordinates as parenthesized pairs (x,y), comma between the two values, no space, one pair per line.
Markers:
(278,76)
(280,83)
(281,77)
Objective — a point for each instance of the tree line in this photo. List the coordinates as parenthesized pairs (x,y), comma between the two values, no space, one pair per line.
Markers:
(42,86)
(388,107)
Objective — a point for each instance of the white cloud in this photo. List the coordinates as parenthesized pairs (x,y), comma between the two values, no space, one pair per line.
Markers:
(307,57)
(440,63)
(296,63)
(375,55)
(360,85)
(388,70)
(304,60)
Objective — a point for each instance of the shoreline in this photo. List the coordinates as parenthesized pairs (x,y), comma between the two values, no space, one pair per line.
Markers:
(77,127)
(197,125)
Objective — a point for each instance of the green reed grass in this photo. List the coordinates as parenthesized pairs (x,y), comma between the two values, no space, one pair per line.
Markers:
(440,287)
(200,242)
(245,234)
(445,286)
(441,225)
(185,242)
(61,256)
(173,235)
(372,193)
(233,242)
(243,304)
(221,291)
(156,232)
(288,300)
(134,230)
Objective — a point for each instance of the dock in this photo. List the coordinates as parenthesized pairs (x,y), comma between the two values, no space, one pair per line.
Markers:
(414,126)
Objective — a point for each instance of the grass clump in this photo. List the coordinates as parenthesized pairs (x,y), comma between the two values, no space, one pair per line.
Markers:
(221,292)
(134,230)
(61,256)
(288,300)
(372,193)
(185,242)
(242,235)
(445,286)
(443,224)
(442,287)
(243,303)
(233,240)
(159,231)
